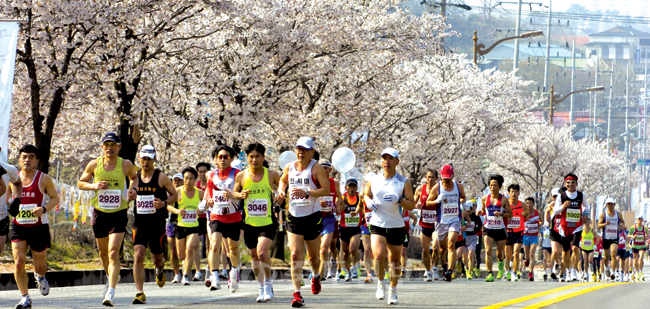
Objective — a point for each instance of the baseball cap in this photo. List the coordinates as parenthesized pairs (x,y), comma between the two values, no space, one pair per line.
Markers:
(447,172)
(148,151)
(391,152)
(639,217)
(555,192)
(610,200)
(179,176)
(352,180)
(112,137)
(306,142)
(325,163)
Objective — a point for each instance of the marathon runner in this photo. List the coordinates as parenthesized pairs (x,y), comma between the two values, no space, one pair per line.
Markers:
(13,185)
(307,181)
(150,216)
(187,228)
(550,222)
(351,210)
(428,219)
(622,255)
(589,237)
(610,221)
(256,186)
(30,226)
(365,241)
(110,202)
(177,181)
(202,168)
(546,250)
(570,211)
(225,218)
(446,196)
(386,194)
(329,205)
(515,229)
(531,231)
(640,236)
(473,226)
(495,207)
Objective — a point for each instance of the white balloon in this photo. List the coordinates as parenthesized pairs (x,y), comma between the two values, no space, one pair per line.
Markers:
(286,158)
(343,159)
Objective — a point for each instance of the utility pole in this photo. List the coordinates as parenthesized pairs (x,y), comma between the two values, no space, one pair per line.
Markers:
(515,64)
(627,112)
(593,130)
(609,108)
(573,75)
(548,50)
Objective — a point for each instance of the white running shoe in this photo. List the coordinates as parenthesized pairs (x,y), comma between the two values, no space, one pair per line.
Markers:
(108,299)
(428,276)
(43,286)
(185,281)
(224,274)
(354,272)
(24,303)
(260,297)
(268,291)
(233,282)
(392,297)
(348,276)
(381,291)
(198,276)
(177,278)
(436,277)
(215,284)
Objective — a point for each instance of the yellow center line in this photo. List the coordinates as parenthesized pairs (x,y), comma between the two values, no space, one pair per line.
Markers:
(570,295)
(529,297)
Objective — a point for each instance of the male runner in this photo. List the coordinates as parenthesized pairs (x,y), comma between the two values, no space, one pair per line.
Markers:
(570,211)
(30,226)
(386,194)
(225,218)
(256,186)
(610,221)
(495,207)
(639,234)
(307,181)
(550,221)
(428,219)
(149,225)
(351,210)
(446,196)
(328,206)
(475,224)
(9,179)
(177,181)
(515,230)
(110,202)
(530,236)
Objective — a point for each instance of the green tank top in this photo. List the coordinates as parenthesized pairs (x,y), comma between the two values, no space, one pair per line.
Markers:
(587,242)
(191,205)
(259,203)
(112,199)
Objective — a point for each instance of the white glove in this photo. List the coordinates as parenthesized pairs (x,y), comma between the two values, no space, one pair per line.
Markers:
(546,224)
(202,205)
(373,206)
(391,198)
(439,200)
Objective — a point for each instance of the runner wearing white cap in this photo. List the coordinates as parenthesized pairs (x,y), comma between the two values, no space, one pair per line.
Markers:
(155,192)
(307,181)
(447,196)
(611,222)
(386,194)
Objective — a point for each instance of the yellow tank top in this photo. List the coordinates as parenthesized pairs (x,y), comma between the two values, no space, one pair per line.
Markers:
(191,205)
(112,199)
(587,242)
(258,205)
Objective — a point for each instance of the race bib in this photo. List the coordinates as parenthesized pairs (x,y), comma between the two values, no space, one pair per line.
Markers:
(257,207)
(189,216)
(471,227)
(429,216)
(639,238)
(109,199)
(494,222)
(219,200)
(572,215)
(532,228)
(450,211)
(587,242)
(25,215)
(611,232)
(514,222)
(330,203)
(350,220)
(144,204)
(295,201)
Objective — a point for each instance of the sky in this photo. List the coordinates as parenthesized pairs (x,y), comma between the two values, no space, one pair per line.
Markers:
(562,5)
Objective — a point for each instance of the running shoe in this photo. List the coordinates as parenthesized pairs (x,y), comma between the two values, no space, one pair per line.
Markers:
(24,303)
(477,272)
(223,274)
(260,297)
(268,291)
(297,301)
(453,275)
(436,276)
(381,291)
(553,276)
(369,279)
(444,267)
(198,276)
(215,284)
(185,281)
(508,276)
(177,278)
(428,276)
(545,276)
(392,297)
(518,275)
(593,278)
(140,298)
(43,286)
(468,274)
(489,278)
(161,279)
(108,299)
(355,273)
(348,277)
(315,285)
(501,269)
(342,274)
(530,277)
(233,282)
(448,275)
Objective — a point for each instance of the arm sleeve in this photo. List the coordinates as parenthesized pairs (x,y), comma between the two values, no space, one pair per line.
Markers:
(558,206)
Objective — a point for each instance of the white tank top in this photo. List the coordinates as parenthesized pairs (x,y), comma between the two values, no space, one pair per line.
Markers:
(223,206)
(302,206)
(611,230)
(387,215)
(449,212)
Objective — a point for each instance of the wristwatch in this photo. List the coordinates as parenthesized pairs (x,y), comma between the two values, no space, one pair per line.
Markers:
(44,210)
(307,192)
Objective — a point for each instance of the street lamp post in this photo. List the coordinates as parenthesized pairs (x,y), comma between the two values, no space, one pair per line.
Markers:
(480,50)
(555,99)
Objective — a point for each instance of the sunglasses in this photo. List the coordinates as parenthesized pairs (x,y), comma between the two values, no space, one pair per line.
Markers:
(223,157)
(352,185)
(570,182)
(109,144)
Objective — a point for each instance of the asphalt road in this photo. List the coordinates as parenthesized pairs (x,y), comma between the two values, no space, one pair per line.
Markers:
(460,293)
